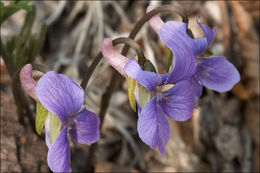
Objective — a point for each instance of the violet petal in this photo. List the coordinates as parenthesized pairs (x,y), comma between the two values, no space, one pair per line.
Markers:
(85,127)
(209,33)
(59,153)
(147,79)
(174,35)
(59,94)
(217,73)
(177,102)
(153,127)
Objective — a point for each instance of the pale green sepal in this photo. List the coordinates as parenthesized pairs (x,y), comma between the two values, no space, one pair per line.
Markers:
(55,124)
(144,95)
(41,115)
(131,84)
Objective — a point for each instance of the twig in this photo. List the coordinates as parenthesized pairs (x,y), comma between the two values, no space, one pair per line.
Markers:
(129,138)
(121,13)
(77,7)
(100,21)
(83,33)
(56,14)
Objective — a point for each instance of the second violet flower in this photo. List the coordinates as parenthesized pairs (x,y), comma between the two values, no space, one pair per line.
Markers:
(164,100)
(186,78)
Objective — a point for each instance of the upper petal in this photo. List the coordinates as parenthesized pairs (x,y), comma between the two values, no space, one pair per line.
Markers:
(217,73)
(153,127)
(209,33)
(85,127)
(147,79)
(59,153)
(59,94)
(174,35)
(177,102)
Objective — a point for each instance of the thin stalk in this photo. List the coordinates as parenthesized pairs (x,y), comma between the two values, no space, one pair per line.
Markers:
(99,56)
(148,16)
(22,101)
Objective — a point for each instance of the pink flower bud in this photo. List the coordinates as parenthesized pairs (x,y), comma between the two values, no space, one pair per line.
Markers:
(155,22)
(114,58)
(27,81)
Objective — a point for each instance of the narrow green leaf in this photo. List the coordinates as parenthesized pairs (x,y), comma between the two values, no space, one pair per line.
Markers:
(54,126)
(41,115)
(144,95)
(131,84)
(27,26)
(10,44)
(38,43)
(13,7)
(24,39)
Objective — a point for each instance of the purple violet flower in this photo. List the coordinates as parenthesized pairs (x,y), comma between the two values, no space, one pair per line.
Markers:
(63,97)
(176,102)
(215,73)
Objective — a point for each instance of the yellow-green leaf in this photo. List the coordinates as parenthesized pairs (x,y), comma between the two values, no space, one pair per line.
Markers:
(131,84)
(54,126)
(144,95)
(41,114)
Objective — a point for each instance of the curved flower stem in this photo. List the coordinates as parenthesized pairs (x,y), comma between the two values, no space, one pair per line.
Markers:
(148,16)
(115,78)
(99,56)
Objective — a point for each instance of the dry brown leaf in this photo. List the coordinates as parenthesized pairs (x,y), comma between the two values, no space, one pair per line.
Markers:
(249,41)
(252,7)
(240,91)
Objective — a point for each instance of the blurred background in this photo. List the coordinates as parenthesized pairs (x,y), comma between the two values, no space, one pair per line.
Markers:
(223,133)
